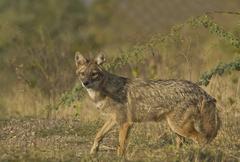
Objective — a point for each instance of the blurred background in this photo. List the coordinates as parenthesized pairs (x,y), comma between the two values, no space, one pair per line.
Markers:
(38,40)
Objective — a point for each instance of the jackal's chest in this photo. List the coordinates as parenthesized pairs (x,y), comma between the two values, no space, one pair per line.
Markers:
(107,106)
(100,101)
(94,95)
(101,105)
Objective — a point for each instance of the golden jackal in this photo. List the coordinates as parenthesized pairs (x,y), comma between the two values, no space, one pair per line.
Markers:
(188,109)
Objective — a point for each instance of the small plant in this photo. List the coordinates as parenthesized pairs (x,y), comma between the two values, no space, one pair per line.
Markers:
(220,69)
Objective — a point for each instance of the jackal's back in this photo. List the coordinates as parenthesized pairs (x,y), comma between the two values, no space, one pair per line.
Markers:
(162,96)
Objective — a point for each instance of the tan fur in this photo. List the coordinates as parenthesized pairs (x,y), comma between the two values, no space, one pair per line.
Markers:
(188,109)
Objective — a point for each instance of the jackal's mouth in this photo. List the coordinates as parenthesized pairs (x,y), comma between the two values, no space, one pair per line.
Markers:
(87,84)
(92,85)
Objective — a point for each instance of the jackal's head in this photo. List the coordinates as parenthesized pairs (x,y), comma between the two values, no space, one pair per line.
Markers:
(89,71)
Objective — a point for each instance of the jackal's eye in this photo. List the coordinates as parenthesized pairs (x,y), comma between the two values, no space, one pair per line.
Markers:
(94,75)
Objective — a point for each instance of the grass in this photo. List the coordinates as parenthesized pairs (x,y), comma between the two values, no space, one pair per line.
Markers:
(32,139)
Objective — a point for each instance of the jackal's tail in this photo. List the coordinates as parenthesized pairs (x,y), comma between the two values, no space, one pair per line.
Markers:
(209,121)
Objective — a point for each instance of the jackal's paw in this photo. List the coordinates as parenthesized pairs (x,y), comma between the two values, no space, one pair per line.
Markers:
(93,151)
(120,151)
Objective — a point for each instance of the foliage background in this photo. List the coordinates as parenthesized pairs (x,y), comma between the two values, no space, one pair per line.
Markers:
(195,40)
(38,41)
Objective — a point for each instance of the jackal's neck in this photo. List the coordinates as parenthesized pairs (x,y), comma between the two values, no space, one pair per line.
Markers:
(113,84)
(113,87)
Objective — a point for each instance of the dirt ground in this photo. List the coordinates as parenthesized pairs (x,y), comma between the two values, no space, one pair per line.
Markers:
(31,139)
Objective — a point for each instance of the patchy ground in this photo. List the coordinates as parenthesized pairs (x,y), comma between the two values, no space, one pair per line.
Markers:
(70,140)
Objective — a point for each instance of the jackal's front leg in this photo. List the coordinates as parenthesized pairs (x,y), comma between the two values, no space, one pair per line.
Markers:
(103,131)
(123,135)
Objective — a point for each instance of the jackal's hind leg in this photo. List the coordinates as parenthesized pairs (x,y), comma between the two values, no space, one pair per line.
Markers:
(103,131)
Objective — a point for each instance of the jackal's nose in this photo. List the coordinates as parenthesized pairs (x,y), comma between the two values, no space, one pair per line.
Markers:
(86,83)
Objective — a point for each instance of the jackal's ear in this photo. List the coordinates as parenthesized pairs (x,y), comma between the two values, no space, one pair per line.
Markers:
(100,59)
(79,59)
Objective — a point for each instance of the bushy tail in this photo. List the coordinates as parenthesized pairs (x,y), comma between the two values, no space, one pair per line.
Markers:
(209,119)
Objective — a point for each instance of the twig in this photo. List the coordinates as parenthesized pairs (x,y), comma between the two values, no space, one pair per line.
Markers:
(104,147)
(223,12)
